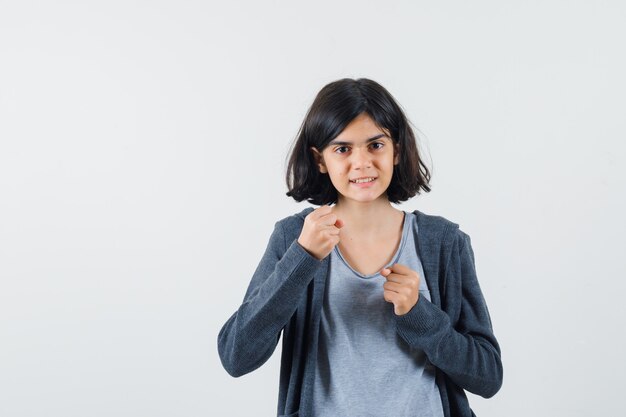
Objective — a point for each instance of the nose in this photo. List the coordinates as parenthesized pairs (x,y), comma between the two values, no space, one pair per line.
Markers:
(361,158)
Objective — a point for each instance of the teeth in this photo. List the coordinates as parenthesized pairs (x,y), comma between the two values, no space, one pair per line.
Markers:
(364,180)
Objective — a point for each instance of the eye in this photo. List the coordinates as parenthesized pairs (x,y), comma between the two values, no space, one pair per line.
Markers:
(375,143)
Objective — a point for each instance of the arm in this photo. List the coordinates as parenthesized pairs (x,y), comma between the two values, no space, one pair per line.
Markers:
(249,337)
(469,354)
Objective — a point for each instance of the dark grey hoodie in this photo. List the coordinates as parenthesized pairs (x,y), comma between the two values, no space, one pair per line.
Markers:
(286,293)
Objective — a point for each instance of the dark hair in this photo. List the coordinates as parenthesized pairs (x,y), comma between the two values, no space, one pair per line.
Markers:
(334,107)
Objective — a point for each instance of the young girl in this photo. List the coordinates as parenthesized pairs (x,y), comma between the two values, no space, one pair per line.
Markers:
(380,309)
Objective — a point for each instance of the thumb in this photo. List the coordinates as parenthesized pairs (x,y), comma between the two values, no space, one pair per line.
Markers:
(339,223)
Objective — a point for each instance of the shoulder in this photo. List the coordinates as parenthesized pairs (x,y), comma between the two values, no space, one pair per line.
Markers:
(295,218)
(432,224)
(435,229)
(292,224)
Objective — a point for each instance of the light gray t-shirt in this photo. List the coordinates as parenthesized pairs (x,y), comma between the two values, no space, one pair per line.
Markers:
(364,368)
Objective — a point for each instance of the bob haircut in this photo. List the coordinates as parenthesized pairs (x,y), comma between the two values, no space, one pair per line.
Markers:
(334,107)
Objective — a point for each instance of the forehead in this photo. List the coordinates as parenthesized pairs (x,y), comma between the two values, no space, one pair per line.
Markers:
(362,129)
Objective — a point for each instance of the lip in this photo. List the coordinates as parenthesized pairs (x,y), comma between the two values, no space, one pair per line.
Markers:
(365,184)
(366,176)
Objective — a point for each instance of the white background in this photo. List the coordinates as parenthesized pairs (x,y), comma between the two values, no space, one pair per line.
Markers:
(143,148)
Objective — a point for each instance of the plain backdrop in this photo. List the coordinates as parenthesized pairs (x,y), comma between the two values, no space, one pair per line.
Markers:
(143,148)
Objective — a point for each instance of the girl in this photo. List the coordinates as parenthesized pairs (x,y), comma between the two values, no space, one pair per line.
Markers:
(380,309)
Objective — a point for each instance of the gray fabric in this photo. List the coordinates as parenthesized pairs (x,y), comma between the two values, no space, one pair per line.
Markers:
(285,296)
(364,368)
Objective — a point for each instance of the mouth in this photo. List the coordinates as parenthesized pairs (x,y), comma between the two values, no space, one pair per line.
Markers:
(362,178)
(365,182)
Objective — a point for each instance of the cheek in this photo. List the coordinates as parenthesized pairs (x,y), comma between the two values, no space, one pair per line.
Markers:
(386,164)
(337,174)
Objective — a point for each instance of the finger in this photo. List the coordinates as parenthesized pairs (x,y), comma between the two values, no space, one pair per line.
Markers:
(409,279)
(402,272)
(332,230)
(385,271)
(408,283)
(393,286)
(321,211)
(400,268)
(331,219)
(390,296)
(400,279)
(328,221)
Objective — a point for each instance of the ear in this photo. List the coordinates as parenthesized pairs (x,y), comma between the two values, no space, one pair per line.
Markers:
(319,160)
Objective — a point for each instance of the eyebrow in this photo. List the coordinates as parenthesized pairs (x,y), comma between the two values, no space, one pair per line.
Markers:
(341,142)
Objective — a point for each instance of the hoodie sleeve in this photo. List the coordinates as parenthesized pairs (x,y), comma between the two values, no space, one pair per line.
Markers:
(249,337)
(468,352)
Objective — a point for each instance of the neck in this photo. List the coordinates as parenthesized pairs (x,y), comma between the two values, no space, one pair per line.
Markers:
(367,219)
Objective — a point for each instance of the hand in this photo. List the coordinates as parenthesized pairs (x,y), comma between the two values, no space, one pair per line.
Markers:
(320,232)
(401,288)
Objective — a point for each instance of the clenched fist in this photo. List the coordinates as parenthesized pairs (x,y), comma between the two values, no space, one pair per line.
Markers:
(320,232)
(402,287)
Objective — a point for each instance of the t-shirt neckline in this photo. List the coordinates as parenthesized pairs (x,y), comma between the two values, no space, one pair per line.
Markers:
(394,259)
